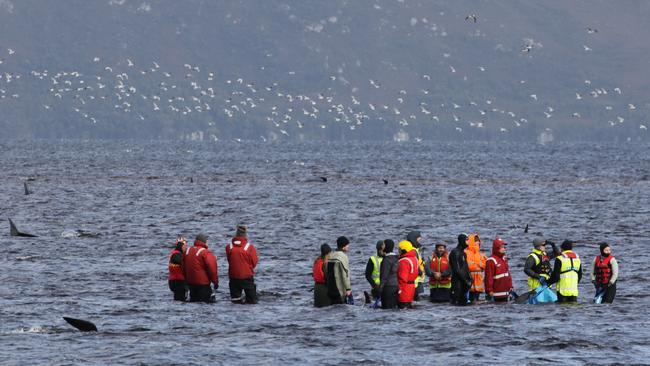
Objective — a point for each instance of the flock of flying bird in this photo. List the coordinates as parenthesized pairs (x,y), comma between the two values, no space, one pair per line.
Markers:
(144,91)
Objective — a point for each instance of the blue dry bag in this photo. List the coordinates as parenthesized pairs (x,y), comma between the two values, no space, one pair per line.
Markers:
(542,295)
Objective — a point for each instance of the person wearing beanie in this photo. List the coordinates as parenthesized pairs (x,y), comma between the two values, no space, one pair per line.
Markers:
(415,237)
(339,288)
(498,282)
(407,273)
(461,279)
(439,274)
(372,272)
(538,264)
(318,273)
(388,286)
(241,231)
(242,260)
(177,282)
(567,273)
(604,273)
(200,267)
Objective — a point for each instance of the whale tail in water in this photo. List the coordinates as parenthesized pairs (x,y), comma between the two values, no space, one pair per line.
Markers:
(14,231)
(82,325)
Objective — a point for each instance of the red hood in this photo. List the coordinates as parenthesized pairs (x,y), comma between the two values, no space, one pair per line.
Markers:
(496,245)
(409,254)
(239,241)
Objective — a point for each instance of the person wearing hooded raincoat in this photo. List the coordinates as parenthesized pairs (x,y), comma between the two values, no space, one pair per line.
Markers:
(498,282)
(407,272)
(415,238)
(476,264)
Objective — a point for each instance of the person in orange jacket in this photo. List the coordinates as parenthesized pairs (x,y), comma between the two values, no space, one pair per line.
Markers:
(407,272)
(476,263)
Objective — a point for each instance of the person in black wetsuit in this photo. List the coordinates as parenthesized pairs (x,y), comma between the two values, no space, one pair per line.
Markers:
(388,277)
(461,280)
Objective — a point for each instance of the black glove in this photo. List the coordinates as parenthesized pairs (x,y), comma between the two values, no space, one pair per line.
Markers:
(216,286)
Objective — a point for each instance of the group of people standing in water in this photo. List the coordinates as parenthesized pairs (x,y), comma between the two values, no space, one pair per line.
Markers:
(458,277)
(397,279)
(195,269)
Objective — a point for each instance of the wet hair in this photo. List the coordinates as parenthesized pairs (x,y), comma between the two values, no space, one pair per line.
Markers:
(341,242)
(380,244)
(567,245)
(325,249)
(389,245)
(462,238)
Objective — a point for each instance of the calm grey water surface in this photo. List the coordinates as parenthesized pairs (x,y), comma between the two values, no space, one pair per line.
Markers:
(138,196)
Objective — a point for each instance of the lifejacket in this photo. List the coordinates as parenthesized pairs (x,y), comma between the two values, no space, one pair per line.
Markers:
(317,272)
(501,280)
(242,258)
(542,267)
(568,282)
(200,265)
(175,270)
(376,262)
(439,264)
(603,269)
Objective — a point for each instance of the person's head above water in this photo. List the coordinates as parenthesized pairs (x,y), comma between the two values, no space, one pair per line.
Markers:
(567,245)
(389,246)
(325,249)
(381,248)
(605,250)
(539,243)
(405,246)
(342,243)
(462,240)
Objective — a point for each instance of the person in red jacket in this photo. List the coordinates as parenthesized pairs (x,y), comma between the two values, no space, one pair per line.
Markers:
(321,299)
(201,270)
(242,260)
(407,272)
(498,282)
(175,265)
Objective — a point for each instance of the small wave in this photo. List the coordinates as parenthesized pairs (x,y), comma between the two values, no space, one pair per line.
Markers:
(35,329)
(69,234)
(27,258)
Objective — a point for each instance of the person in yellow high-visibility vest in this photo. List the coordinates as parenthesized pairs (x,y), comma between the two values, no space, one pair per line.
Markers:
(538,263)
(372,271)
(567,273)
